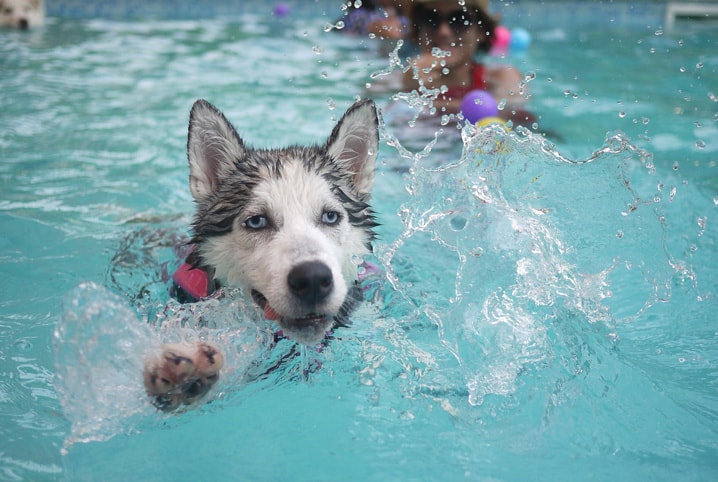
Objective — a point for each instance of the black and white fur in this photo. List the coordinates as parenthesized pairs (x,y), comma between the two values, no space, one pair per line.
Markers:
(288,226)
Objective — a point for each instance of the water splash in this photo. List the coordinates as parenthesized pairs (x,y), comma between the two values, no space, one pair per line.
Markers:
(514,248)
(100,346)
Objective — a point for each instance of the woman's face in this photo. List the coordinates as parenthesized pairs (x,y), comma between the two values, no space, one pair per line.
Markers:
(448,27)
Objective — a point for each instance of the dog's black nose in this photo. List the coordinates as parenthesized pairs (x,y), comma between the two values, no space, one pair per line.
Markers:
(311,282)
(23,24)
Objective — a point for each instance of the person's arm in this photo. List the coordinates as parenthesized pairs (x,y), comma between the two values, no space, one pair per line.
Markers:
(504,82)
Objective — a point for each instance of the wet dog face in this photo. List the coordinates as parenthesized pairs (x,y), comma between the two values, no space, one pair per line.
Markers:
(22,14)
(286,225)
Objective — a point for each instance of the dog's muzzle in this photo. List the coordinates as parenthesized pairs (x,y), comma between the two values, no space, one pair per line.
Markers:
(309,284)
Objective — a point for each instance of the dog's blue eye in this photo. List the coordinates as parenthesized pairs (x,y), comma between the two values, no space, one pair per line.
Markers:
(330,217)
(256,222)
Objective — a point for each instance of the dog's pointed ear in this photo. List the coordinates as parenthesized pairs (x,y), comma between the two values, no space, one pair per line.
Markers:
(354,143)
(213,149)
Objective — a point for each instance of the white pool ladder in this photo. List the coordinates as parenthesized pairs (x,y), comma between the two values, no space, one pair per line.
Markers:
(694,9)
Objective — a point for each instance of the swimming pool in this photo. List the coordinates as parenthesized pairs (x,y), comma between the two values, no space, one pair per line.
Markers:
(543,317)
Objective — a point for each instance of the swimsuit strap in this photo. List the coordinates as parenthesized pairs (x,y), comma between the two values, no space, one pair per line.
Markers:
(478,82)
(478,75)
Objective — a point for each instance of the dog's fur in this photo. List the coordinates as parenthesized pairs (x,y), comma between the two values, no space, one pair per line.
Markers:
(22,14)
(285,225)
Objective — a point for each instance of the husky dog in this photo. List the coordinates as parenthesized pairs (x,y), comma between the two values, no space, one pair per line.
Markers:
(284,225)
(22,14)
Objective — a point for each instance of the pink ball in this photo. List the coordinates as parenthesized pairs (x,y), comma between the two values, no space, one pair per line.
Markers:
(502,37)
(478,104)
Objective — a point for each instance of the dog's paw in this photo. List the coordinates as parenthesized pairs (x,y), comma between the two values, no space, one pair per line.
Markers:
(182,374)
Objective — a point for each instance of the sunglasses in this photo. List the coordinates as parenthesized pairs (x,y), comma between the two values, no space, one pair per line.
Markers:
(459,21)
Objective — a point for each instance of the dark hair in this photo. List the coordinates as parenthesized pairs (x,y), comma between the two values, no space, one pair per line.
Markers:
(479,18)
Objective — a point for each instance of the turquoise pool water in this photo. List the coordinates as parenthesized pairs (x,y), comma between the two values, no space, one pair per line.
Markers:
(549,307)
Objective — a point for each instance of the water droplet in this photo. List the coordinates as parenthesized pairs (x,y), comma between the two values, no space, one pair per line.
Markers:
(675,166)
(702,221)
(529,76)
(715,200)
(699,65)
(682,69)
(23,344)
(331,104)
(619,234)
(317,50)
(700,144)
(476,252)
(549,80)
(458,223)
(357,260)
(659,32)
(328,27)
(621,114)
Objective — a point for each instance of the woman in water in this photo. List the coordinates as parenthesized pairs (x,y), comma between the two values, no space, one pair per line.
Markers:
(449,34)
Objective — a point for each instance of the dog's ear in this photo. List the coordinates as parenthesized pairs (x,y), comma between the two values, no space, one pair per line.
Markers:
(354,143)
(213,149)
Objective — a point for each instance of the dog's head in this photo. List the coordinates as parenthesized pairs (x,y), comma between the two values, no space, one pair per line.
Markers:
(22,14)
(286,225)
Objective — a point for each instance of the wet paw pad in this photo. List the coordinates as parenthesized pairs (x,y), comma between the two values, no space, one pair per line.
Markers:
(182,374)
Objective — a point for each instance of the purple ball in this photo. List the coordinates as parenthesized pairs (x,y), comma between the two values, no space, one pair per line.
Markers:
(478,104)
(281,10)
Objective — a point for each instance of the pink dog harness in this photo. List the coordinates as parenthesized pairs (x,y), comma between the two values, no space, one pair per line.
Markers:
(193,282)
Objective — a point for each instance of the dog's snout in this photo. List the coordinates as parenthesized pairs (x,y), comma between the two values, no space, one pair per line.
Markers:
(311,282)
(23,24)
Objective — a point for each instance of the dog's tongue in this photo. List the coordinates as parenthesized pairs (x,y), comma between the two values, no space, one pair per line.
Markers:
(269,313)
